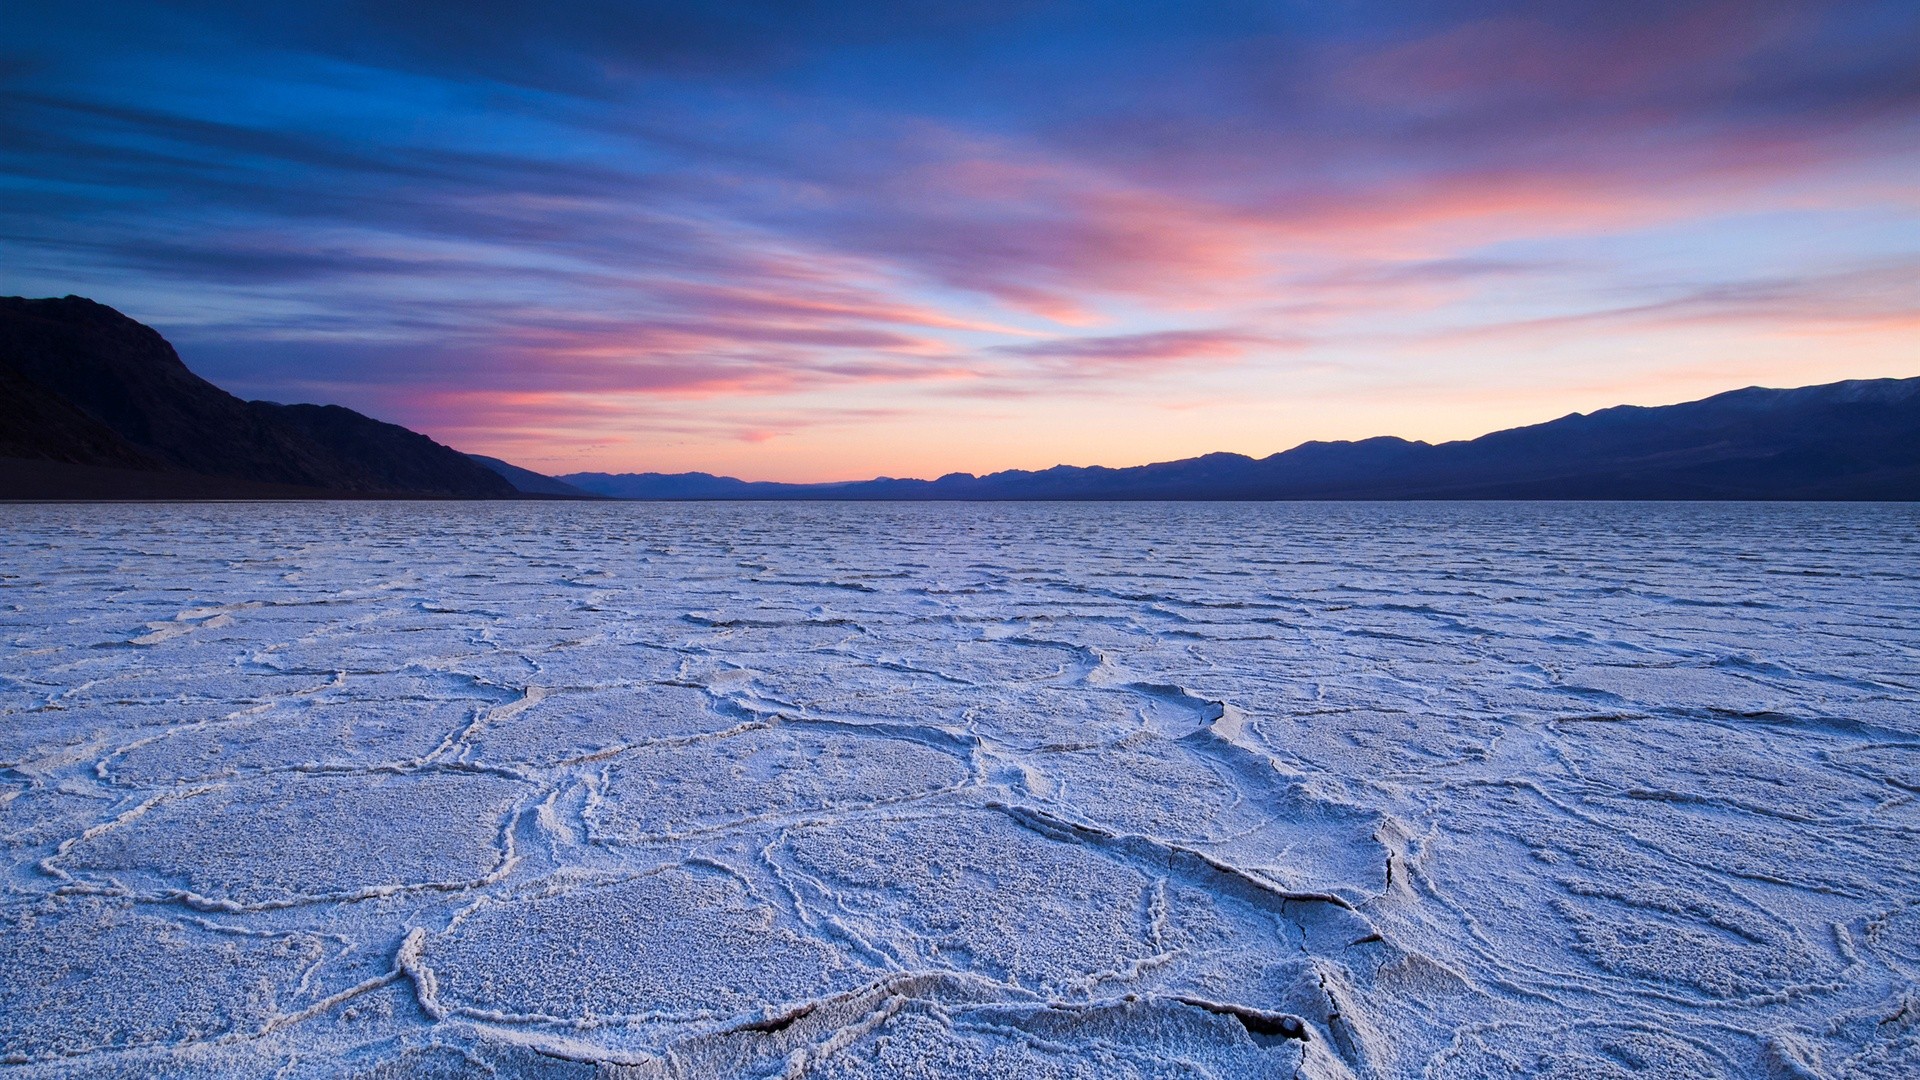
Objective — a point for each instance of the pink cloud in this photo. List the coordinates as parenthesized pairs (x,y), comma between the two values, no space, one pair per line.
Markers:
(1061,237)
(1604,59)
(1873,300)
(1108,355)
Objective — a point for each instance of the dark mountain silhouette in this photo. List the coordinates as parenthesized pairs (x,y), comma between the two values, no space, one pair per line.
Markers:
(96,405)
(528,482)
(698,485)
(1847,440)
(37,423)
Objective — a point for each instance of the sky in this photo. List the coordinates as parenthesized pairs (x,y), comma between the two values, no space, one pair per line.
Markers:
(812,241)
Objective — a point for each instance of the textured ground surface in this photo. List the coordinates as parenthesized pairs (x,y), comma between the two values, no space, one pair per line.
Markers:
(954,791)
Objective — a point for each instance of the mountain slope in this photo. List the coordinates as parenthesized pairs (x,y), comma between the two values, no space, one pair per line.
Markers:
(37,423)
(1847,440)
(84,385)
(528,482)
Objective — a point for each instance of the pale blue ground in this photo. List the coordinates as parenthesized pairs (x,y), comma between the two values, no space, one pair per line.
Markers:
(960,790)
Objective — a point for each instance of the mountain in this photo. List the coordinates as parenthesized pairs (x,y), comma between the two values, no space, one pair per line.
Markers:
(695,485)
(37,423)
(96,405)
(528,482)
(1846,440)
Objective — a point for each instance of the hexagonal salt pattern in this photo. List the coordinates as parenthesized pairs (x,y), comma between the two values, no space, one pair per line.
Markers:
(995,791)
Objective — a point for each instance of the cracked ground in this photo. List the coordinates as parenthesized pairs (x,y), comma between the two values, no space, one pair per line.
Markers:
(758,790)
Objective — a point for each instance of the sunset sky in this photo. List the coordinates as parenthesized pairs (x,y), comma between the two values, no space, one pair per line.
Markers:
(804,241)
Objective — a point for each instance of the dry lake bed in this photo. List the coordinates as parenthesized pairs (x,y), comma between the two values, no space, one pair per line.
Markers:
(829,790)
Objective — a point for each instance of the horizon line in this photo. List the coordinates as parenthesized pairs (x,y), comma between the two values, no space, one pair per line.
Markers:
(878,478)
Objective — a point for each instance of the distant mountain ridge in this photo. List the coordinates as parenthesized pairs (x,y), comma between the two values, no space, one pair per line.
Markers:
(94,404)
(528,482)
(1856,440)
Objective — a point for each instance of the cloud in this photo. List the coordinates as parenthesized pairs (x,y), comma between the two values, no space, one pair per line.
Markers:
(396,205)
(1874,299)
(1108,355)
(564,431)
(1600,58)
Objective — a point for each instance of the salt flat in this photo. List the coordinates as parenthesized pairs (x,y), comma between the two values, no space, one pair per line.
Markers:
(1209,790)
